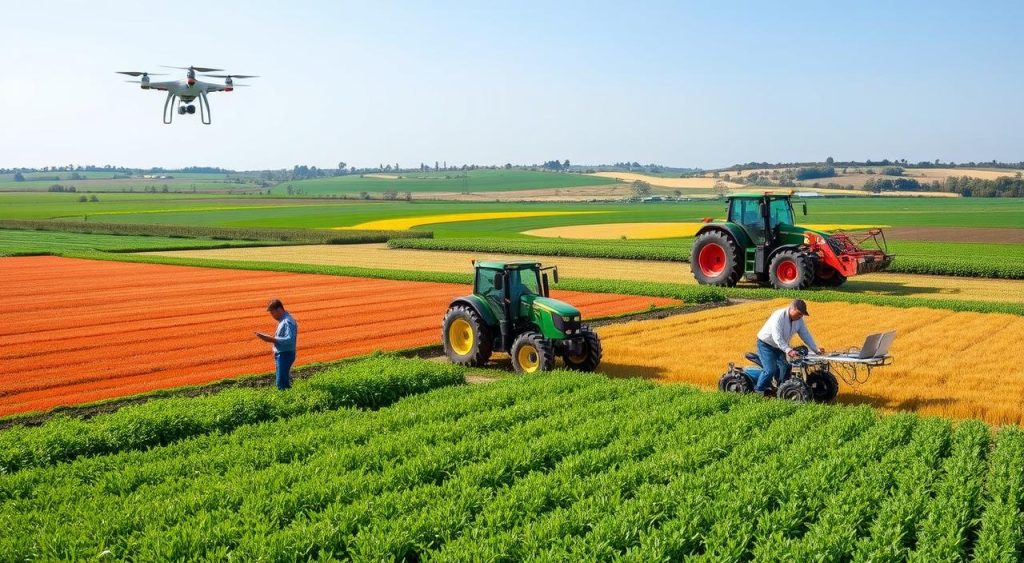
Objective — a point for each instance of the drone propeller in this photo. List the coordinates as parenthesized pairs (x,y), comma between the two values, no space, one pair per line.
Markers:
(196,68)
(137,73)
(231,75)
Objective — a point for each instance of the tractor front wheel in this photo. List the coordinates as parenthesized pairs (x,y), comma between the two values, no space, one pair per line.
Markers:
(531,352)
(791,269)
(467,339)
(590,355)
(794,389)
(715,260)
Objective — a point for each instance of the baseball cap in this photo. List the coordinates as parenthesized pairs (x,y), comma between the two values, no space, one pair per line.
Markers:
(799,305)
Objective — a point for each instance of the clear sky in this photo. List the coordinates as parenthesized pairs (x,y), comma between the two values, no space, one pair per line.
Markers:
(704,84)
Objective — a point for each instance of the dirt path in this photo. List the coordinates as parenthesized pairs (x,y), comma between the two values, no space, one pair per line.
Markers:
(380,256)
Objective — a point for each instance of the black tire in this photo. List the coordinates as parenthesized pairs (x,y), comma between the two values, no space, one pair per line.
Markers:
(715,259)
(827,276)
(735,382)
(794,389)
(480,349)
(791,269)
(531,353)
(590,357)
(823,385)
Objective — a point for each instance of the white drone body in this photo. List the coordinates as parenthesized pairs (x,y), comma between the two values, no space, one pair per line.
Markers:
(185,91)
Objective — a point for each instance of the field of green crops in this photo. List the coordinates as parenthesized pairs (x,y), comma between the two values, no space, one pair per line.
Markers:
(15,243)
(450,181)
(556,467)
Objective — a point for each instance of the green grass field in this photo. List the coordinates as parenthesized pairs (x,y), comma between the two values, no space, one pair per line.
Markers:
(100,182)
(557,467)
(15,243)
(450,181)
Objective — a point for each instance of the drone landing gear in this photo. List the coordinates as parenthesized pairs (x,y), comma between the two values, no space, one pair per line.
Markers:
(204,108)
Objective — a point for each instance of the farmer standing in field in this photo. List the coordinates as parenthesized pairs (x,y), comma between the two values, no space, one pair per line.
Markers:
(284,340)
(773,342)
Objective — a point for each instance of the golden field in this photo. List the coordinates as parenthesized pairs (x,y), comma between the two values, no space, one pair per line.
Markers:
(405,223)
(662,182)
(381,257)
(648,230)
(959,365)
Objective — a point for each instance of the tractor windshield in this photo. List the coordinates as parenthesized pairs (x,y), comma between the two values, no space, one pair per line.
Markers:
(526,280)
(781,213)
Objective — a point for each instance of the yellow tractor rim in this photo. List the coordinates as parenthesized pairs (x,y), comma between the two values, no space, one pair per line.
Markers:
(529,358)
(460,336)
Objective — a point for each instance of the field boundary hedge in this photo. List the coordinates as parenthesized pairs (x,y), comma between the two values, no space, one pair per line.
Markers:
(297,236)
(370,383)
(660,252)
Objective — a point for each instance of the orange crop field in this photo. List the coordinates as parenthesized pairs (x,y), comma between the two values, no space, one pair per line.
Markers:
(77,331)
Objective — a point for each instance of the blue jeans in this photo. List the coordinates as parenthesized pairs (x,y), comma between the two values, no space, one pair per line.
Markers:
(773,364)
(283,362)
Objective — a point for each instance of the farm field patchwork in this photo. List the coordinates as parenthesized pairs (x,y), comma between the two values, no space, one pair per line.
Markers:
(379,256)
(561,467)
(82,330)
(649,230)
(451,181)
(958,365)
(410,222)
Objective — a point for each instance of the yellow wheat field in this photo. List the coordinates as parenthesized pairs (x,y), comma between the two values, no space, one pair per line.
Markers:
(959,365)
(382,257)
(649,230)
(405,223)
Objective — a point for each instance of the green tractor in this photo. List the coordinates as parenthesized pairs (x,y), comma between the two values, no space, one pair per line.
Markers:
(760,242)
(510,311)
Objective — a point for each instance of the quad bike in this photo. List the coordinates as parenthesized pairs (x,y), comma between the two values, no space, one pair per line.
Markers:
(806,379)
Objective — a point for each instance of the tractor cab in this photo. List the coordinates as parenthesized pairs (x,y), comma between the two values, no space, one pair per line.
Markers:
(511,311)
(760,242)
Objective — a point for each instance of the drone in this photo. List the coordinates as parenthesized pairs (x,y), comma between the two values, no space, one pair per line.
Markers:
(184,92)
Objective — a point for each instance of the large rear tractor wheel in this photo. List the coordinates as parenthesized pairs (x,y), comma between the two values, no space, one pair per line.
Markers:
(794,389)
(589,357)
(792,269)
(467,339)
(827,276)
(824,386)
(715,260)
(531,352)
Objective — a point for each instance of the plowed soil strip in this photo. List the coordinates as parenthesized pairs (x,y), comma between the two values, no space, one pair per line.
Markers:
(78,331)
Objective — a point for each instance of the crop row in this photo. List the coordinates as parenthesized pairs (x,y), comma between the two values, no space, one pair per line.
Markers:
(560,466)
(24,243)
(370,383)
(295,236)
(953,259)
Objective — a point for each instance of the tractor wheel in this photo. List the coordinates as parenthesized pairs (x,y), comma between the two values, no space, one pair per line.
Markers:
(531,353)
(715,260)
(588,358)
(827,276)
(735,382)
(791,269)
(794,389)
(823,385)
(467,339)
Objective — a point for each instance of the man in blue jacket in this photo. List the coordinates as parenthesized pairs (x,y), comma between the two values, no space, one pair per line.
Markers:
(284,341)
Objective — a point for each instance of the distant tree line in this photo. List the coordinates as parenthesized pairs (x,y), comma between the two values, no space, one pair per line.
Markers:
(1004,186)
(813,172)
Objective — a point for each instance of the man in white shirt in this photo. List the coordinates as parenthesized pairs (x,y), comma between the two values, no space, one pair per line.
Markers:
(284,341)
(773,342)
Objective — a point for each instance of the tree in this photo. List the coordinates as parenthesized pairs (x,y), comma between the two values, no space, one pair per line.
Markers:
(830,160)
(391,195)
(19,177)
(341,165)
(566,164)
(641,189)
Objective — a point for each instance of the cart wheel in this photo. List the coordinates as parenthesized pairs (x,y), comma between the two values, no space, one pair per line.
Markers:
(794,389)
(823,385)
(734,382)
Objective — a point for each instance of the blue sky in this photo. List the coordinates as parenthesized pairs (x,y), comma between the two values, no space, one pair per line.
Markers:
(703,84)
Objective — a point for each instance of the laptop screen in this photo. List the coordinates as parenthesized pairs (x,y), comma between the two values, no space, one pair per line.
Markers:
(885,343)
(870,346)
